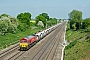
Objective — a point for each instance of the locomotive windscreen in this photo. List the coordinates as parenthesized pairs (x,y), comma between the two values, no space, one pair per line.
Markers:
(23,41)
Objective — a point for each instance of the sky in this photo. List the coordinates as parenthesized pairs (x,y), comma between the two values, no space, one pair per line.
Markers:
(54,8)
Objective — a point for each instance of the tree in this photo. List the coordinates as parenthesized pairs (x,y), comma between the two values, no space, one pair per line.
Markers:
(5,15)
(24,19)
(41,18)
(53,21)
(40,24)
(45,15)
(75,19)
(86,23)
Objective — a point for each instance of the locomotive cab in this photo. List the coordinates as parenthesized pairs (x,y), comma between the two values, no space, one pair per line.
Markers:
(26,42)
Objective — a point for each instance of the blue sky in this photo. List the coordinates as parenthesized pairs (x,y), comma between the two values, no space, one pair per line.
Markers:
(54,8)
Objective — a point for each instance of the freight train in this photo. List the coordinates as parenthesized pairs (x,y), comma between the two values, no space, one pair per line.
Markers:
(26,42)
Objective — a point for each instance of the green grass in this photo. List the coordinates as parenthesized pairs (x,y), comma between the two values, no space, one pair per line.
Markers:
(78,52)
(79,47)
(73,35)
(10,39)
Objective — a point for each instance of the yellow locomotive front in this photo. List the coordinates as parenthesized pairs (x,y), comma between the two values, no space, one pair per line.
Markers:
(23,44)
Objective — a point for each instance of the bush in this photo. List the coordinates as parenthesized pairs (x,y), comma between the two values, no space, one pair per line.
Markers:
(3,28)
(21,27)
(12,29)
(8,24)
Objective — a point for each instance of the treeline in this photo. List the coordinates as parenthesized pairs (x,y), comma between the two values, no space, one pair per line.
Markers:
(76,21)
(9,24)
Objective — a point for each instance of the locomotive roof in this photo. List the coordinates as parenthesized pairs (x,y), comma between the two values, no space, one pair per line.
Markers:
(29,36)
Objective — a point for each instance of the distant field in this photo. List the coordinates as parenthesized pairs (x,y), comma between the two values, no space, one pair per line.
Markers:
(33,21)
(79,46)
(10,39)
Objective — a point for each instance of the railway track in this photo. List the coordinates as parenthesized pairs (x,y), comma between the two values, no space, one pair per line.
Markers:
(12,53)
(16,55)
(4,54)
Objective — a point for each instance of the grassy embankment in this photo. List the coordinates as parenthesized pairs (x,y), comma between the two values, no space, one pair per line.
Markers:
(79,45)
(10,39)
